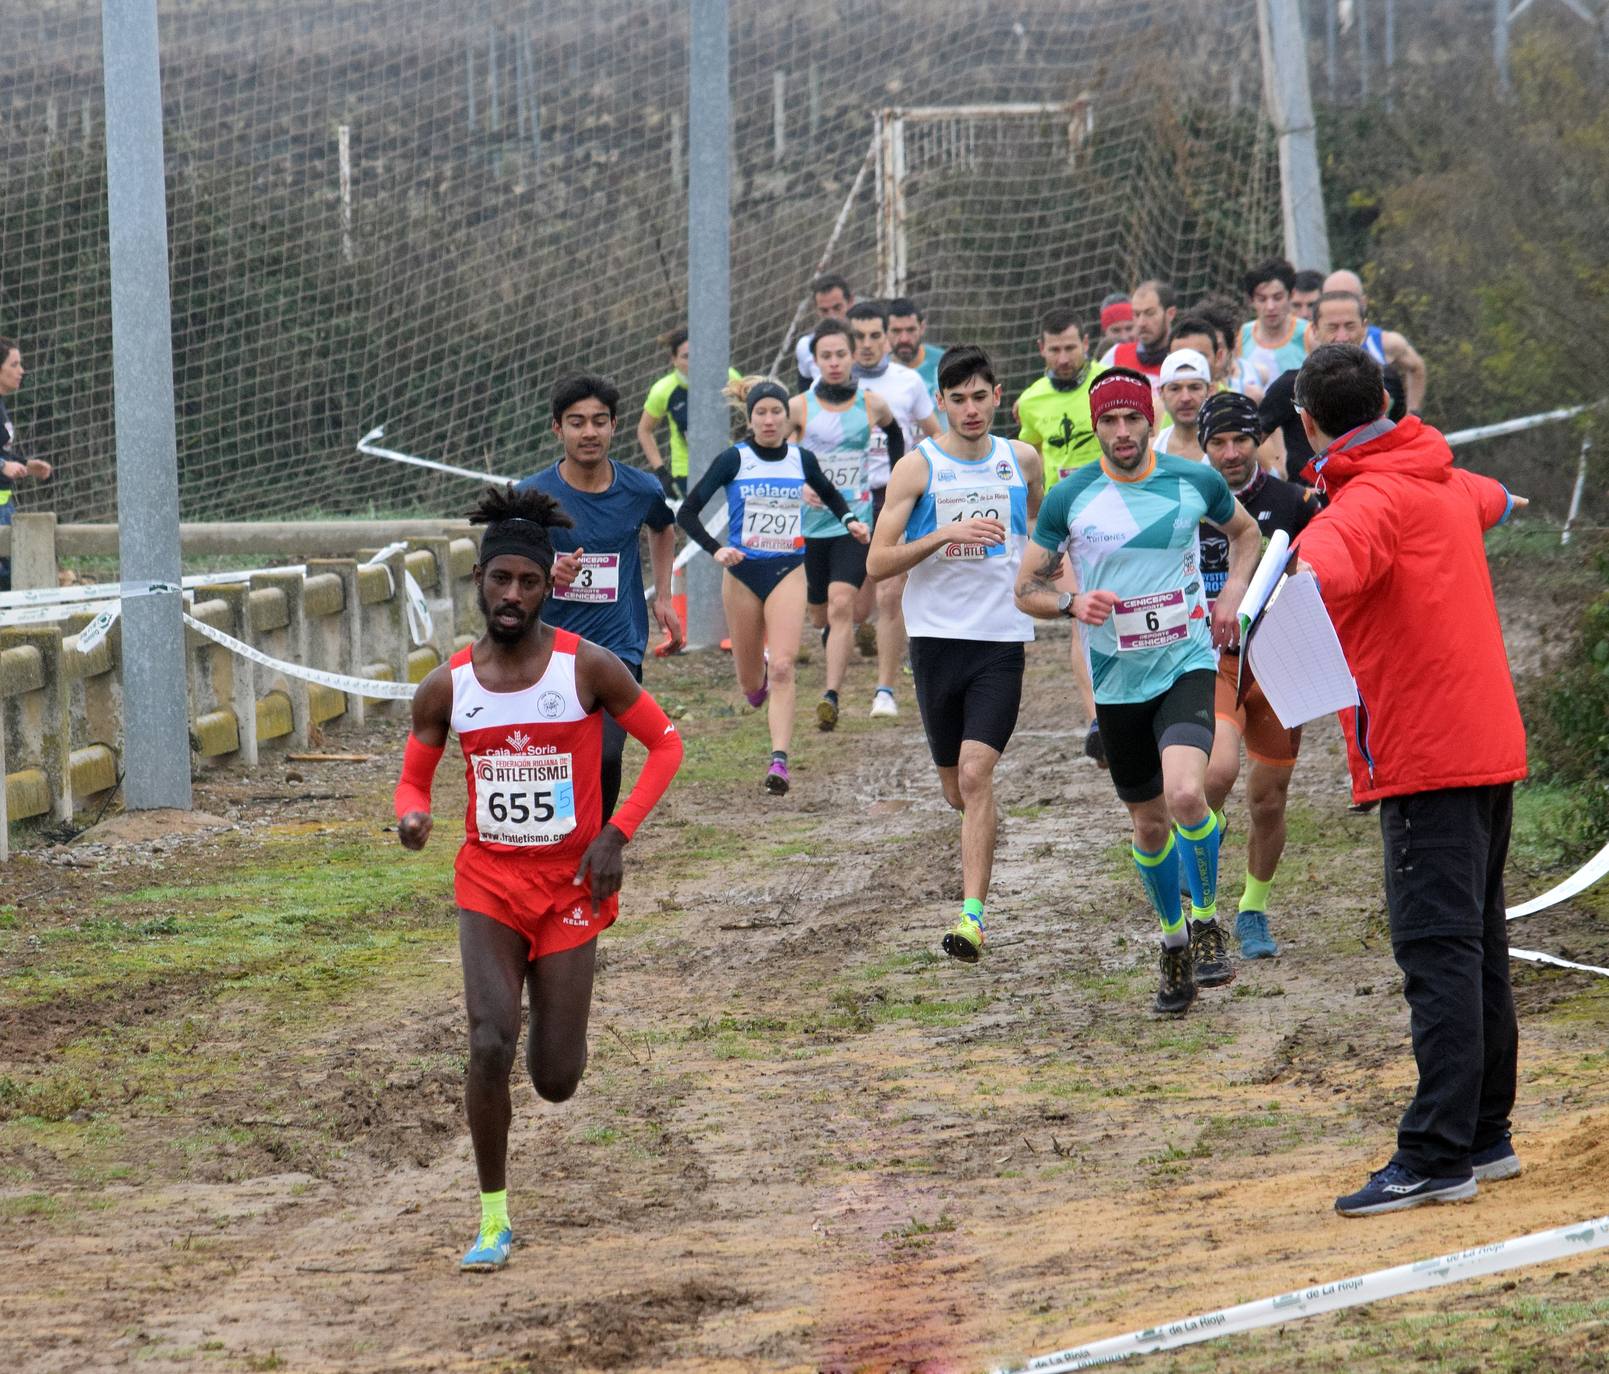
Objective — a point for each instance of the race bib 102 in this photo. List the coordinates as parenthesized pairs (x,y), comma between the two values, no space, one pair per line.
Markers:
(523,799)
(1151,622)
(953,505)
(598,580)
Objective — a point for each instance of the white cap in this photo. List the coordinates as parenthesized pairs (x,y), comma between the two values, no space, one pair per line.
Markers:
(1185,365)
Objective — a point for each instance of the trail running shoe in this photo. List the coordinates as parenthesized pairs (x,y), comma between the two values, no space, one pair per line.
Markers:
(1177,989)
(1251,929)
(1094,745)
(826,714)
(883,703)
(1495,1161)
(776,778)
(757,698)
(1396,1188)
(488,1254)
(1211,950)
(965,940)
(866,639)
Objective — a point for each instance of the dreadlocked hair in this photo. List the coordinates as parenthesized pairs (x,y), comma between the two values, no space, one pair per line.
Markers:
(508,503)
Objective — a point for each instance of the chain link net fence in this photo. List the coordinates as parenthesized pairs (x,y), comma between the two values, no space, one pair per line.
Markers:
(380,213)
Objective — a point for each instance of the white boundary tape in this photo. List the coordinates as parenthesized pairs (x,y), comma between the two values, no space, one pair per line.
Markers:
(354,686)
(367,445)
(1579,881)
(1563,1242)
(1531,956)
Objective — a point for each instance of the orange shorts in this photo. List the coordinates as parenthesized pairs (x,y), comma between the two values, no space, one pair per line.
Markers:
(540,901)
(1267,741)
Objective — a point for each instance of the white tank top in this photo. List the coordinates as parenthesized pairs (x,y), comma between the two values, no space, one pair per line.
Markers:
(963,591)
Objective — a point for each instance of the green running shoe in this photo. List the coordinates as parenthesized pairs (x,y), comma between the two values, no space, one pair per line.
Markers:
(965,940)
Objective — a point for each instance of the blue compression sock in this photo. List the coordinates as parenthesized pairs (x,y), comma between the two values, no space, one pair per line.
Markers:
(1200,843)
(1159,873)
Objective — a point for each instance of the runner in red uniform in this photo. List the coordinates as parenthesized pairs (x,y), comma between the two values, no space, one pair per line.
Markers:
(538,875)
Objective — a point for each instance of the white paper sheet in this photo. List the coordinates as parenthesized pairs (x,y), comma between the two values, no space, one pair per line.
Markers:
(1296,656)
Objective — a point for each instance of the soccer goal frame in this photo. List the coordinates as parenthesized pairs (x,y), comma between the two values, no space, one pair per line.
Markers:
(957,125)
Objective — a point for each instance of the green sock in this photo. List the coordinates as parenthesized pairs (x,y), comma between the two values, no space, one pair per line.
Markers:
(494,1213)
(974,908)
(1255,897)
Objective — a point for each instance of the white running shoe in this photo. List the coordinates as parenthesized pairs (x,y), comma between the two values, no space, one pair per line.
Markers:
(883,703)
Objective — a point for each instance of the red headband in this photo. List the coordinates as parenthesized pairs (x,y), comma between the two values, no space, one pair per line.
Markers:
(1121,390)
(1117,313)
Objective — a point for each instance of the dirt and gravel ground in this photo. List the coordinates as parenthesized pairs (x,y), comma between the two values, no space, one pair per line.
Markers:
(230,1135)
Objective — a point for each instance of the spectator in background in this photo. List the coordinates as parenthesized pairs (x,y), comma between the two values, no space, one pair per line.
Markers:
(667,400)
(833,298)
(1305,293)
(1225,316)
(13,467)
(907,336)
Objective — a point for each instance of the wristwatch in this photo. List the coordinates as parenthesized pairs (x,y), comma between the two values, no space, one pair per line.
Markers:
(1064,604)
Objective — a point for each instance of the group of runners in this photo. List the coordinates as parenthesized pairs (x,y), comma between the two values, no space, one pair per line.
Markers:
(879,488)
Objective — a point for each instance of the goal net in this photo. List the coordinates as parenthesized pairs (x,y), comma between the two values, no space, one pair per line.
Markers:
(380,216)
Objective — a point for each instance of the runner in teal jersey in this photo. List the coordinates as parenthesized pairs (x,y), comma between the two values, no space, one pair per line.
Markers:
(1130,523)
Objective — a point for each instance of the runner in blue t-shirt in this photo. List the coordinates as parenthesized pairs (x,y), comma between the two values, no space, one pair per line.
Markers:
(610,504)
(1131,523)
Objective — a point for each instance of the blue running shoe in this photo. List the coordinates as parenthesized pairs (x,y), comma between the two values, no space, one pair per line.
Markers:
(1396,1188)
(488,1254)
(1495,1161)
(1251,929)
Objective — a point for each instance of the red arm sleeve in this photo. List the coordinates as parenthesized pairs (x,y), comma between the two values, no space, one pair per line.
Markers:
(651,728)
(419,762)
(1350,545)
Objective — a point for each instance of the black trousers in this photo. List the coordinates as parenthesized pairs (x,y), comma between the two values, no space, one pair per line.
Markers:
(614,745)
(1444,857)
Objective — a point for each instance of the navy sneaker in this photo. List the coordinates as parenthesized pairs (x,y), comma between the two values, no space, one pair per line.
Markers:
(1396,1188)
(1495,1161)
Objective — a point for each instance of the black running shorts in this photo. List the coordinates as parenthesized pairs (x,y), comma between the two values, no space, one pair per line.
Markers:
(1136,732)
(841,558)
(762,576)
(966,689)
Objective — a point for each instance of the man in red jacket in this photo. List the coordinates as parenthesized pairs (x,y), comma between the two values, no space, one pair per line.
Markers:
(1437,740)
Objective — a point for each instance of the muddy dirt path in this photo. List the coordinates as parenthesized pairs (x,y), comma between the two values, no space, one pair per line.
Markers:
(806,1140)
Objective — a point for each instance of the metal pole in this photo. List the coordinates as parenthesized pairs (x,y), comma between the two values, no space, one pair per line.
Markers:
(1330,39)
(709,278)
(1290,107)
(344,148)
(1390,51)
(1362,10)
(156,728)
(779,116)
(1500,41)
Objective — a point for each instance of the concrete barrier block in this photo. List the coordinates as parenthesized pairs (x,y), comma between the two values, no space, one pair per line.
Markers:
(37,718)
(324,703)
(421,662)
(322,594)
(466,604)
(33,550)
(216,732)
(275,718)
(374,583)
(222,681)
(269,610)
(288,644)
(22,669)
(335,639)
(95,691)
(421,562)
(27,794)
(94,770)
